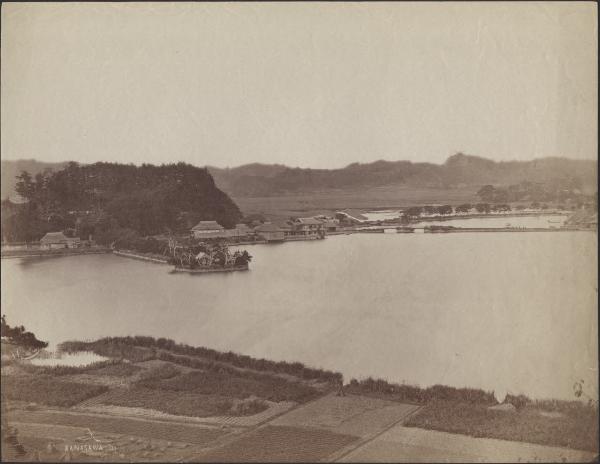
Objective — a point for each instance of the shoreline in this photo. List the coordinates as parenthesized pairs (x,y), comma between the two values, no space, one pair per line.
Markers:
(37,253)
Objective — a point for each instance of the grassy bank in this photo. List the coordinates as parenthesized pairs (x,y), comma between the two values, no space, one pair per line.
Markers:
(141,348)
(466,411)
(573,427)
(413,394)
(147,373)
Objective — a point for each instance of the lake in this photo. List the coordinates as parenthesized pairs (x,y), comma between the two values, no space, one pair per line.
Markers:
(500,311)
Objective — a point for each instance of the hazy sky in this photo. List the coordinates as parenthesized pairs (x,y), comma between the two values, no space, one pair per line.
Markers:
(316,85)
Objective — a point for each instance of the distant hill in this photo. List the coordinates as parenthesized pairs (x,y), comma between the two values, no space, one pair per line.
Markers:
(145,200)
(258,180)
(10,169)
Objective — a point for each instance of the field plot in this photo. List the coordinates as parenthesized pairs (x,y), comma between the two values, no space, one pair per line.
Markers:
(196,434)
(402,444)
(353,415)
(572,425)
(45,388)
(95,406)
(54,443)
(279,444)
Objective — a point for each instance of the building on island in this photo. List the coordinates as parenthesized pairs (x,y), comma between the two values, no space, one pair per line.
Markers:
(270,232)
(208,229)
(54,240)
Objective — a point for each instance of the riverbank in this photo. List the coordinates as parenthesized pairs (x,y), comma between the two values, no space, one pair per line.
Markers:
(141,256)
(167,383)
(39,253)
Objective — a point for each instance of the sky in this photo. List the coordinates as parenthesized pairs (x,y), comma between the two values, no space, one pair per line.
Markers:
(317,85)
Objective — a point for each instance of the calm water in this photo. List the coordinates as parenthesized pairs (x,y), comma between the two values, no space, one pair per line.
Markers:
(505,312)
(542,221)
(82,358)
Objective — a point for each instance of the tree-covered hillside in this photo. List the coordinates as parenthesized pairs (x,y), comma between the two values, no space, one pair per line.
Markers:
(105,199)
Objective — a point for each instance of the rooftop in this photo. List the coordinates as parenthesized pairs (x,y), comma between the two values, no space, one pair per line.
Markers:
(354,213)
(208,225)
(268,228)
(309,221)
(55,237)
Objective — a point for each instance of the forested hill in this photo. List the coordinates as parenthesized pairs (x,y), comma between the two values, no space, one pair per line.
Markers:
(271,180)
(107,196)
(10,169)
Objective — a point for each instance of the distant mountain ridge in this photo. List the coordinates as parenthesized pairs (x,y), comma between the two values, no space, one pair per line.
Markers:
(256,179)
(458,170)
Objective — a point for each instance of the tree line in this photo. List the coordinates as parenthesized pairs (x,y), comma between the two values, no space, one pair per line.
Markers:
(112,201)
(19,336)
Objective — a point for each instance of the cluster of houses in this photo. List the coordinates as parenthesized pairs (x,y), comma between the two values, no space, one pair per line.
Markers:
(304,228)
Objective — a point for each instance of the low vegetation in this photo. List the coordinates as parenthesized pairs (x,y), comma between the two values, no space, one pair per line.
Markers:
(572,424)
(575,426)
(168,401)
(47,390)
(279,444)
(233,384)
(141,348)
(414,394)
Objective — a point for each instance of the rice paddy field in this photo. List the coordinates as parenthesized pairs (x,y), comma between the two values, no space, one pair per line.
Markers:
(279,444)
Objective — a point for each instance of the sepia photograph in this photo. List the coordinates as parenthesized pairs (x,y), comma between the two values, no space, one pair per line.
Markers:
(299,232)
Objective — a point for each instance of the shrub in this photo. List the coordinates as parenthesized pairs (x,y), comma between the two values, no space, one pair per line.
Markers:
(518,401)
(415,394)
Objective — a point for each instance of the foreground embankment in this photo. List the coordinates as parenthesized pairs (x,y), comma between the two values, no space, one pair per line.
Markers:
(159,380)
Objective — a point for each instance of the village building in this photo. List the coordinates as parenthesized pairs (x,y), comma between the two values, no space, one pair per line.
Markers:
(208,229)
(308,227)
(331,225)
(54,240)
(242,230)
(270,232)
(287,228)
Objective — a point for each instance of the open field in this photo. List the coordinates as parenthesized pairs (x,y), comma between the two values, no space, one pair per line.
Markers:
(348,415)
(374,198)
(402,444)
